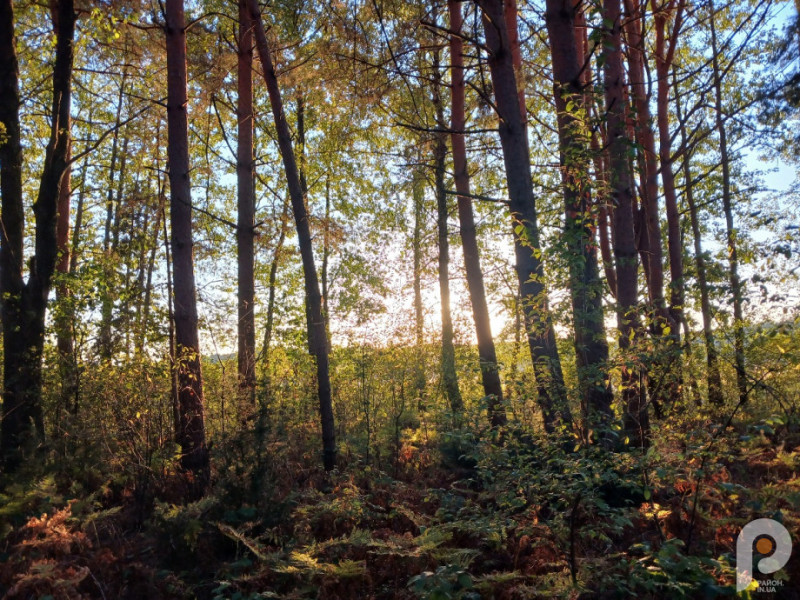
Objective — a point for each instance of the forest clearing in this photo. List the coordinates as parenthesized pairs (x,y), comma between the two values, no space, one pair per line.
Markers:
(399,299)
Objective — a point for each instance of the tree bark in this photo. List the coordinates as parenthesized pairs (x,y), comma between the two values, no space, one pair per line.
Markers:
(663,326)
(665,53)
(173,361)
(326,255)
(24,304)
(591,348)
(147,288)
(318,344)
(604,209)
(245,232)
(510,18)
(65,316)
(191,432)
(448,356)
(273,279)
(727,207)
(418,197)
(650,246)
(490,374)
(715,396)
(71,371)
(636,420)
(144,318)
(527,250)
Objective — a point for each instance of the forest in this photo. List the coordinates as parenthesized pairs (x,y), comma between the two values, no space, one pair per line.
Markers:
(399,299)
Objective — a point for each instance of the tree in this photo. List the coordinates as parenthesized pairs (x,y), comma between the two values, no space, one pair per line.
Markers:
(727,207)
(591,348)
(24,304)
(246,204)
(418,199)
(449,377)
(527,250)
(191,424)
(317,338)
(490,373)
(662,325)
(715,395)
(115,186)
(670,12)
(620,180)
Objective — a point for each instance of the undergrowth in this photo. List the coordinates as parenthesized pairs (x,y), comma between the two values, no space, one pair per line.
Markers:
(487,516)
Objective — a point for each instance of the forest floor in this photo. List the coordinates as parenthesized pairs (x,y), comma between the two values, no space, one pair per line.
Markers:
(510,520)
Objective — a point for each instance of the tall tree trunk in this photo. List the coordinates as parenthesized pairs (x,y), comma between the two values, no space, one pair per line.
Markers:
(273,280)
(650,247)
(715,396)
(18,406)
(663,326)
(636,420)
(24,304)
(245,233)
(665,53)
(173,361)
(604,209)
(318,344)
(527,250)
(490,374)
(510,18)
(71,375)
(147,288)
(600,207)
(105,342)
(591,348)
(449,377)
(418,196)
(144,318)
(727,207)
(191,433)
(326,255)
(63,323)
(140,241)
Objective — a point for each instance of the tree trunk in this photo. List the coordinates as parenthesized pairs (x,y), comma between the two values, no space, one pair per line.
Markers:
(727,207)
(191,433)
(665,53)
(245,173)
(71,374)
(510,18)
(651,231)
(144,318)
(318,344)
(449,377)
(591,348)
(273,279)
(105,343)
(63,323)
(530,271)
(24,305)
(326,255)
(715,396)
(490,374)
(604,208)
(663,326)
(173,362)
(418,196)
(636,420)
